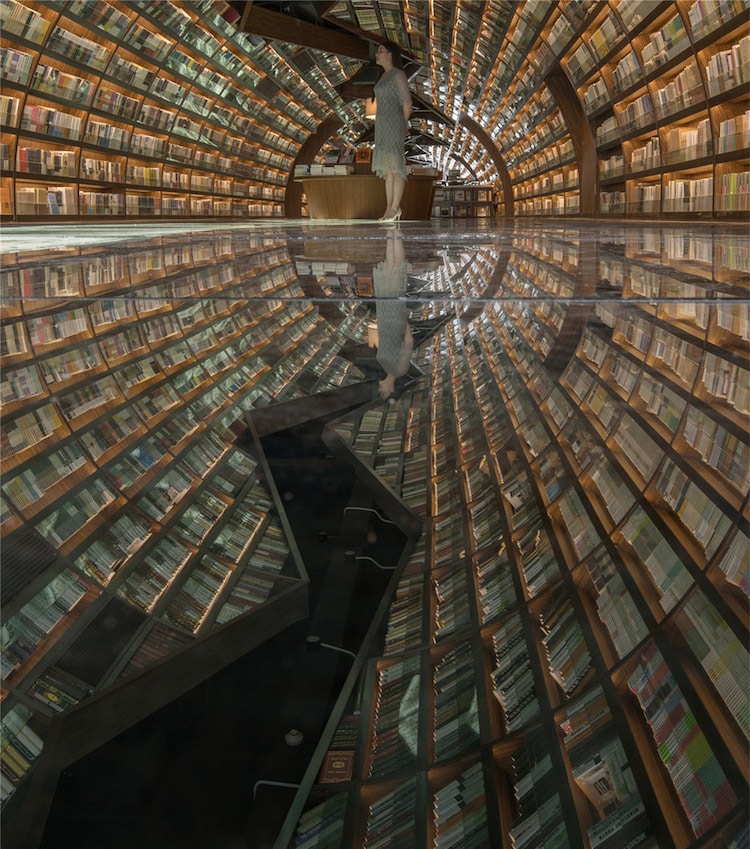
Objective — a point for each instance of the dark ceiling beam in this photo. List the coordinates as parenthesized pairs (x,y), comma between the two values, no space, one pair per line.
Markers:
(411,64)
(258,20)
(325,6)
(349,91)
(421,106)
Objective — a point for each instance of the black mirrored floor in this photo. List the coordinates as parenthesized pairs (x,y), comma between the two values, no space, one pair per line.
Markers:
(500,470)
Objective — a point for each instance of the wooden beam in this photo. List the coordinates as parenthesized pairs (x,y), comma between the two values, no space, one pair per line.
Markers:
(349,91)
(258,20)
(502,169)
(325,6)
(581,135)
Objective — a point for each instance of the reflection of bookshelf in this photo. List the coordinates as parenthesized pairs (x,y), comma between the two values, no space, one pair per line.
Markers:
(124,498)
(584,554)
(463,201)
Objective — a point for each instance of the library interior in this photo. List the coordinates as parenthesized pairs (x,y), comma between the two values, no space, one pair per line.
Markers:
(323,531)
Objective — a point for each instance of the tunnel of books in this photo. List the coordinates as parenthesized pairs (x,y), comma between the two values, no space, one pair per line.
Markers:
(459,506)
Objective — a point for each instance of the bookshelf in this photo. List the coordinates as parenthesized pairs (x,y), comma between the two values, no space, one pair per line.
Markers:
(552,652)
(664,106)
(134,112)
(127,374)
(463,201)
(139,112)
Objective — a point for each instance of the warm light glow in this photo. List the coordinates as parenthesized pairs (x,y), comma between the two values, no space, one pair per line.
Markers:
(370,107)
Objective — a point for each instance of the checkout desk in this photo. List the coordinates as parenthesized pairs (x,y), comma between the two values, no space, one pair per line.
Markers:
(363,196)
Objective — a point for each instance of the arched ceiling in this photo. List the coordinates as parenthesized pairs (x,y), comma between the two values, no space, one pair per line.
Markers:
(466,59)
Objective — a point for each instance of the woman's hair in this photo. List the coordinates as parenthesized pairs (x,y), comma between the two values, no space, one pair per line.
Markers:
(395,52)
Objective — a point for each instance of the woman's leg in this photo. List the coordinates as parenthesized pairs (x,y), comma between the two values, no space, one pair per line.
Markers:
(389,194)
(397,191)
(394,190)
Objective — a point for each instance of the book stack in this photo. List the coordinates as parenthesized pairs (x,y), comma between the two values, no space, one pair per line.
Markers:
(541,822)
(734,562)
(583,720)
(19,20)
(21,746)
(453,610)
(148,582)
(512,679)
(577,523)
(250,590)
(391,820)
(456,719)
(24,631)
(615,605)
(394,737)
(669,574)
(190,604)
(495,583)
(701,517)
(538,561)
(460,813)
(321,827)
(405,616)
(721,654)
(567,653)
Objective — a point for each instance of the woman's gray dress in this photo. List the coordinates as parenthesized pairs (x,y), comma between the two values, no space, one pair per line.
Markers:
(391,93)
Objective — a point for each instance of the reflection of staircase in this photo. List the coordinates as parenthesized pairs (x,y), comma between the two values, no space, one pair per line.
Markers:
(344,526)
(280,415)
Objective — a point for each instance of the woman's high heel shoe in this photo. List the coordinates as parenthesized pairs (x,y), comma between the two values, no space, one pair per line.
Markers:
(394,218)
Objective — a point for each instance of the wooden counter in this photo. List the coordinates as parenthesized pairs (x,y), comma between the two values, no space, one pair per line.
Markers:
(363,196)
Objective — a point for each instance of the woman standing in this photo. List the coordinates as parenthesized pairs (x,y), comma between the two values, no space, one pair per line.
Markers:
(393,111)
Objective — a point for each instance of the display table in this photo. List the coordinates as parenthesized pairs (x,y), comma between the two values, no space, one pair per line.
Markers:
(363,196)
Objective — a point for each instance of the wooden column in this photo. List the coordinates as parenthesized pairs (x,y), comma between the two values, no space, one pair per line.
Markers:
(305,156)
(581,136)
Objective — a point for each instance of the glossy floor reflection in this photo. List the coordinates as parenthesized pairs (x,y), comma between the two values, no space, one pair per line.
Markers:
(537,433)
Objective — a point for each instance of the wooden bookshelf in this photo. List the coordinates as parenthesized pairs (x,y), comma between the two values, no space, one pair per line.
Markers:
(615,110)
(165,90)
(463,201)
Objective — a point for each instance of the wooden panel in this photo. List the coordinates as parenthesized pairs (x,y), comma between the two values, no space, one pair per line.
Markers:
(363,196)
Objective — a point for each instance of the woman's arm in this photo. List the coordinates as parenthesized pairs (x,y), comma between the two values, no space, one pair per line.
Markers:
(405,95)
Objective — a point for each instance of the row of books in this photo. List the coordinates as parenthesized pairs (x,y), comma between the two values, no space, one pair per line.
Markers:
(456,723)
(396,717)
(460,813)
(701,784)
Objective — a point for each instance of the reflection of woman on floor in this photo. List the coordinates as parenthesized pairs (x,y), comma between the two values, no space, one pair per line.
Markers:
(395,340)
